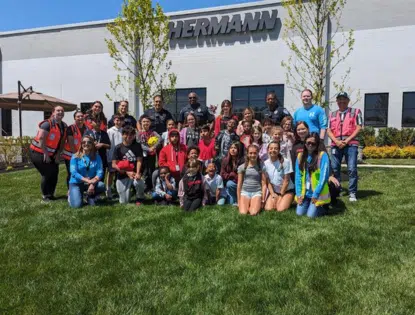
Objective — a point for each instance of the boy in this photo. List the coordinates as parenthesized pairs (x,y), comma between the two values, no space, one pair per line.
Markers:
(115,136)
(170,125)
(149,151)
(206,145)
(165,191)
(173,155)
(129,151)
(193,153)
(224,141)
(214,186)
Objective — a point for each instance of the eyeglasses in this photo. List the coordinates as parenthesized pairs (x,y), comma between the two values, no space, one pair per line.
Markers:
(311,144)
(86,142)
(192,98)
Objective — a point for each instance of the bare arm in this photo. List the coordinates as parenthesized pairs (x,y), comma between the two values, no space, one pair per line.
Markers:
(239,187)
(285,184)
(264,181)
(322,133)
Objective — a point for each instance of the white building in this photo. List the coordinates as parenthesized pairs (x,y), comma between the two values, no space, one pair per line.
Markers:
(71,62)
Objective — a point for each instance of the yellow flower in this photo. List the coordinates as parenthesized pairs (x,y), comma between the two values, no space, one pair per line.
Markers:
(152,141)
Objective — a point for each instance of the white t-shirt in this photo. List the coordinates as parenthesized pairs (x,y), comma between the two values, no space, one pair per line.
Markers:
(276,174)
(115,136)
(211,184)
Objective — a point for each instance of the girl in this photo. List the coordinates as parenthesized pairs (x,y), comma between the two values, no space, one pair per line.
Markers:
(247,115)
(214,186)
(225,115)
(165,191)
(268,124)
(190,135)
(86,174)
(74,135)
(251,183)
(278,175)
(229,172)
(311,178)
(165,136)
(288,134)
(257,140)
(193,153)
(277,136)
(95,113)
(192,192)
(246,138)
(122,112)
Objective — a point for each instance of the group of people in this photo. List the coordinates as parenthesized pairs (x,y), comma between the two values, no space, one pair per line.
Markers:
(201,159)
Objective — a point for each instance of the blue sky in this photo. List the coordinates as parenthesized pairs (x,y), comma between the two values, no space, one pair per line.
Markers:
(23,14)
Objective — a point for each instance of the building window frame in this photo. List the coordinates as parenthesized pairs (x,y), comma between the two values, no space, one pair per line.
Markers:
(366,110)
(84,106)
(172,104)
(269,88)
(410,124)
(6,122)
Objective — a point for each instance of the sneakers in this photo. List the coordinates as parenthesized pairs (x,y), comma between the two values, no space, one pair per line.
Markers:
(91,201)
(46,199)
(352,197)
(108,193)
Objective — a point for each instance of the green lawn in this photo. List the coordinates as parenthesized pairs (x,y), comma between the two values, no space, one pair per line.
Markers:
(158,260)
(390,161)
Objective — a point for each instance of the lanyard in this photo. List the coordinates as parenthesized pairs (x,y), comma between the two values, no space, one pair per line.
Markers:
(86,165)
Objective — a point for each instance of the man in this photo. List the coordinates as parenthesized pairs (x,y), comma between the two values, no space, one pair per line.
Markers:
(274,112)
(201,111)
(312,114)
(345,125)
(127,160)
(158,116)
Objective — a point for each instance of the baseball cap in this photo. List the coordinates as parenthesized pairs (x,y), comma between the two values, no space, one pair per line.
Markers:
(343,94)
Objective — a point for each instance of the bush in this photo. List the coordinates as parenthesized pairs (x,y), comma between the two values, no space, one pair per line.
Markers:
(14,150)
(389,152)
(392,136)
(367,137)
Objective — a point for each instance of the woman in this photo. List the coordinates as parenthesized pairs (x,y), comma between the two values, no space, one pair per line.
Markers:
(229,172)
(277,172)
(123,112)
(45,151)
(226,114)
(86,172)
(251,183)
(247,115)
(190,135)
(94,114)
(311,178)
(74,135)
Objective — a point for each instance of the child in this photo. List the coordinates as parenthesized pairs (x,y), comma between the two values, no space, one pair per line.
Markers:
(257,140)
(165,136)
(192,192)
(267,126)
(229,172)
(247,115)
(224,140)
(102,142)
(288,134)
(190,135)
(115,136)
(149,151)
(246,136)
(214,186)
(206,145)
(277,136)
(173,156)
(251,183)
(165,190)
(193,153)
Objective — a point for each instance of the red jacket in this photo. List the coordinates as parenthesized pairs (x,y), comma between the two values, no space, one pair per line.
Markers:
(175,160)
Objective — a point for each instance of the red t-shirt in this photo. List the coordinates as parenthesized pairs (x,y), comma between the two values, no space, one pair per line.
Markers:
(207,151)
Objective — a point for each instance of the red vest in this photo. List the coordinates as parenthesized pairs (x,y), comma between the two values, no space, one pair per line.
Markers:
(52,141)
(88,123)
(77,138)
(343,129)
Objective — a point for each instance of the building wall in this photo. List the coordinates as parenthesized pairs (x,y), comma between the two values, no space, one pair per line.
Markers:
(72,63)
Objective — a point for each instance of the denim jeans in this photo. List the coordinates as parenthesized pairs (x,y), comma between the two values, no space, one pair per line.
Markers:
(307,207)
(350,154)
(157,197)
(231,192)
(76,192)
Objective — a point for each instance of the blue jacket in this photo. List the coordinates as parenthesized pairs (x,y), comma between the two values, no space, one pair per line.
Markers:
(79,166)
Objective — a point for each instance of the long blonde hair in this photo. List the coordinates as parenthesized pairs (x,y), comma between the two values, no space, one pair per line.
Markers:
(81,153)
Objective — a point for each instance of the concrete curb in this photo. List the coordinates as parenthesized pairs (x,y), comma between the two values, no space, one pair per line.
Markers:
(382,166)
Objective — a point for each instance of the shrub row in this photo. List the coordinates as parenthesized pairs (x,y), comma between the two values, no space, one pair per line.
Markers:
(389,152)
(387,137)
(14,150)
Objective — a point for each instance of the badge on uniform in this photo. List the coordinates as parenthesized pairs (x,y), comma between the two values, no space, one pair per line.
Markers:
(52,136)
(75,141)
(199,110)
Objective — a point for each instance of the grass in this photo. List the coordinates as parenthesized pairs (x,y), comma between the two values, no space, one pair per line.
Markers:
(157,260)
(390,161)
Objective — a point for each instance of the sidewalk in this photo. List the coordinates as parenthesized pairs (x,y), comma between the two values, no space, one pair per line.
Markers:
(382,166)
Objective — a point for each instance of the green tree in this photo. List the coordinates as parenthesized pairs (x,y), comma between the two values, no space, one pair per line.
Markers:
(318,44)
(139,46)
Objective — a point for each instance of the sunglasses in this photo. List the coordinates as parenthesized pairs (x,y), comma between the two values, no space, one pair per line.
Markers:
(192,98)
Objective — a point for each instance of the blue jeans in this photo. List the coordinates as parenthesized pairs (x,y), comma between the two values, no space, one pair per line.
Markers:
(350,154)
(76,192)
(231,192)
(157,197)
(309,208)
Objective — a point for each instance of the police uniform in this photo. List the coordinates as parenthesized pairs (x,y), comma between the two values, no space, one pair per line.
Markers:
(201,111)
(276,115)
(158,119)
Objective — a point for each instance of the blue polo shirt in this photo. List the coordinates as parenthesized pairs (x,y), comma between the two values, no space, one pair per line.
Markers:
(315,117)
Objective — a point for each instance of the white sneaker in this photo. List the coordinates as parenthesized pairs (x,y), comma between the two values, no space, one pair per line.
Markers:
(352,197)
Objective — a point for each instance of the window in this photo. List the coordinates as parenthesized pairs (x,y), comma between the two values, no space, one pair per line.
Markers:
(116,104)
(85,106)
(408,109)
(376,109)
(6,122)
(255,97)
(177,99)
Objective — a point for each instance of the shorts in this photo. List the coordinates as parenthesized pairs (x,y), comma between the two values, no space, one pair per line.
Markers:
(289,191)
(251,195)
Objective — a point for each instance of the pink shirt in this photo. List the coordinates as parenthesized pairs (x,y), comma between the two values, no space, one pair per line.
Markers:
(207,151)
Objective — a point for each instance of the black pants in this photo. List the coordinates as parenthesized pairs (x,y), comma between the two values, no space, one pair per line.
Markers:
(48,171)
(149,166)
(190,205)
(68,172)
